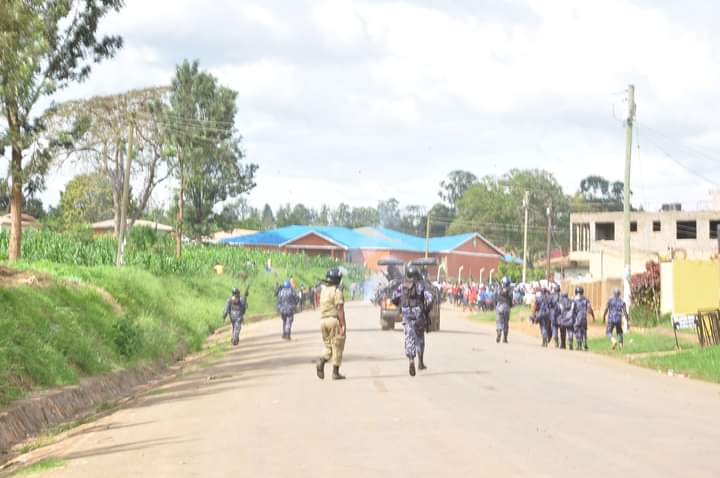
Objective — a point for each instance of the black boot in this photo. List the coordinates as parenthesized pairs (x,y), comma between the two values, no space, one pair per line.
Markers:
(421,362)
(499,333)
(505,338)
(336,374)
(321,369)
(411,368)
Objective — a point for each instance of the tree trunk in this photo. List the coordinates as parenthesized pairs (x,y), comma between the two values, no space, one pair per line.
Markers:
(16,195)
(180,216)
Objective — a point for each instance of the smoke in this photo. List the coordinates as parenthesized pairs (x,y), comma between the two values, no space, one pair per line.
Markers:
(371,285)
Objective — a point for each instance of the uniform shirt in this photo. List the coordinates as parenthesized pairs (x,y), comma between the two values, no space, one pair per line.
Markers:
(286,301)
(235,308)
(615,307)
(505,296)
(581,306)
(330,297)
(423,297)
(565,312)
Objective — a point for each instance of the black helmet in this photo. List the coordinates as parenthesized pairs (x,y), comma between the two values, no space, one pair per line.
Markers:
(333,276)
(235,291)
(506,281)
(412,272)
(579,290)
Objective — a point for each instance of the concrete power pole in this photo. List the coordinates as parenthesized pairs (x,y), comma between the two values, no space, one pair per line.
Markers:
(626,199)
(549,239)
(427,237)
(526,204)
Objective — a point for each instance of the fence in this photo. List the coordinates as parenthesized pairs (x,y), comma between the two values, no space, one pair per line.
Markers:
(708,327)
(597,292)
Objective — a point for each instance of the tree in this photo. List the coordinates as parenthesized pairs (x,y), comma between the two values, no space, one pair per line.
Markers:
(440,218)
(208,159)
(268,218)
(87,198)
(413,220)
(598,194)
(102,126)
(493,207)
(44,46)
(453,188)
(389,213)
(363,217)
(237,214)
(341,216)
(283,216)
(323,216)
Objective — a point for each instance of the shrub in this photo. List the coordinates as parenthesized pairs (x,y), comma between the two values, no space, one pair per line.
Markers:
(645,287)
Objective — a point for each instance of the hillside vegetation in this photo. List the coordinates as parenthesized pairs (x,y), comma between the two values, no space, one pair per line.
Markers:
(81,316)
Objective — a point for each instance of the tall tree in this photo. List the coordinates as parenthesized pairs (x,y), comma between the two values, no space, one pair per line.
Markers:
(364,216)
(102,126)
(44,46)
(598,194)
(453,188)
(341,215)
(268,218)
(389,213)
(208,159)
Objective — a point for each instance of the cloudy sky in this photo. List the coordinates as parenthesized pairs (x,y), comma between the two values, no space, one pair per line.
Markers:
(358,101)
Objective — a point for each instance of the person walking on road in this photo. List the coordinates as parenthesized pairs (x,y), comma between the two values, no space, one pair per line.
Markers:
(541,314)
(235,308)
(332,325)
(414,300)
(555,313)
(502,310)
(617,309)
(581,308)
(566,320)
(286,304)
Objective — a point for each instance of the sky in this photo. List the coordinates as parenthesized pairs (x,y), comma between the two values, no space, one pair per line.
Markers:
(360,101)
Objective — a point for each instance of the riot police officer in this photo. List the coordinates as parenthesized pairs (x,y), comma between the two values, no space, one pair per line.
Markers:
(332,325)
(566,320)
(555,313)
(617,309)
(541,315)
(581,308)
(414,300)
(502,309)
(286,304)
(235,308)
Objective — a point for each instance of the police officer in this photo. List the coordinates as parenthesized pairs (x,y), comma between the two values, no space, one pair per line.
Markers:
(414,300)
(541,315)
(581,309)
(235,308)
(286,304)
(332,325)
(616,309)
(554,313)
(502,310)
(566,320)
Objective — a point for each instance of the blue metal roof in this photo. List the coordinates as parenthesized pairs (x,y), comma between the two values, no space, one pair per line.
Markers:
(364,238)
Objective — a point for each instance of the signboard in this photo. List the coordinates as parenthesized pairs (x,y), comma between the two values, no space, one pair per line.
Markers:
(684,321)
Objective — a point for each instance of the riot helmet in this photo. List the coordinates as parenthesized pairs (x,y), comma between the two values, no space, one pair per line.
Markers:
(413,272)
(333,276)
(506,281)
(287,285)
(235,291)
(616,292)
(579,290)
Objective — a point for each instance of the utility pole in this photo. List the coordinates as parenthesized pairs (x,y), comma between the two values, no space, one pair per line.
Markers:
(427,237)
(626,198)
(120,259)
(526,204)
(549,239)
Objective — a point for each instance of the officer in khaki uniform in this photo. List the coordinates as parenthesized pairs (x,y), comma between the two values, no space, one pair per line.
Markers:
(332,325)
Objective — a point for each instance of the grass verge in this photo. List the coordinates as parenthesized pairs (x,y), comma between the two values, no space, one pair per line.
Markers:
(41,466)
(702,363)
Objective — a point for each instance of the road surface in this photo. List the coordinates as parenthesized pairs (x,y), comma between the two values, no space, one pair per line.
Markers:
(481,409)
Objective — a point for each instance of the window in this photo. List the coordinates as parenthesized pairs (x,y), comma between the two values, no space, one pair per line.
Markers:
(604,231)
(714,229)
(633,226)
(686,230)
(656,226)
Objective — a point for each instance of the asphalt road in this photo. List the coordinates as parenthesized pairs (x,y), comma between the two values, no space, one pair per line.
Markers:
(481,409)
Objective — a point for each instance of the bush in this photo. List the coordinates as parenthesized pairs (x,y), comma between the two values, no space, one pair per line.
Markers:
(126,336)
(645,288)
(643,316)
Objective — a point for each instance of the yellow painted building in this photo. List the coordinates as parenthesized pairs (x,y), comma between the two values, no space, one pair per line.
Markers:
(688,286)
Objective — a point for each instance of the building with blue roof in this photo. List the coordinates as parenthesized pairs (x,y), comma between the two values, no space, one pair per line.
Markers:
(465,256)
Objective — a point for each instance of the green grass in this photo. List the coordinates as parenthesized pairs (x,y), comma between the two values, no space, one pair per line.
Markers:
(41,466)
(702,363)
(64,331)
(636,343)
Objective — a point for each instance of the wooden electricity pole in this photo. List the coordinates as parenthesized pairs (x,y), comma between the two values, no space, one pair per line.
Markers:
(549,240)
(427,237)
(626,199)
(526,204)
(124,204)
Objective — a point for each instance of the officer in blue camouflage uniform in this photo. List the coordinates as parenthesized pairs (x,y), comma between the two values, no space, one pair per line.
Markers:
(566,320)
(581,309)
(286,304)
(414,300)
(235,308)
(541,315)
(614,313)
(555,313)
(502,310)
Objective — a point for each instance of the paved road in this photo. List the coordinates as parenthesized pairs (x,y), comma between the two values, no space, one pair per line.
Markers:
(480,410)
